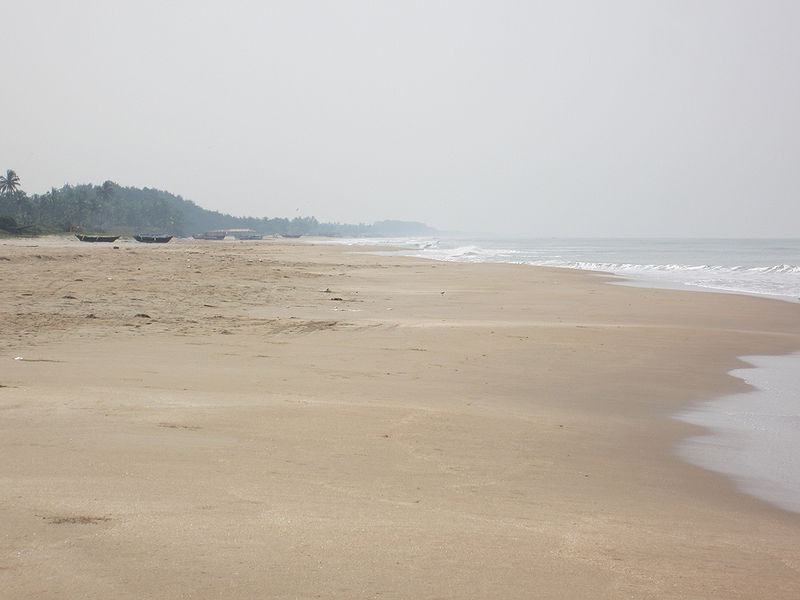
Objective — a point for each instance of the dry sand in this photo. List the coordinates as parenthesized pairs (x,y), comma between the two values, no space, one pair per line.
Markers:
(287,420)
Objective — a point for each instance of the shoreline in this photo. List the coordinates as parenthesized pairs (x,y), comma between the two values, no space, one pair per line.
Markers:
(468,430)
(750,435)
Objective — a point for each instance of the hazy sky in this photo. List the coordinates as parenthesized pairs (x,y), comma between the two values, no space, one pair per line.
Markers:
(585,118)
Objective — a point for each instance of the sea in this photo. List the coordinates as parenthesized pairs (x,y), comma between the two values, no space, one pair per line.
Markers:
(752,437)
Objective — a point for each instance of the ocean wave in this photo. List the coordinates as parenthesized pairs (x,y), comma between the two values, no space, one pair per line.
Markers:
(671,268)
(470,253)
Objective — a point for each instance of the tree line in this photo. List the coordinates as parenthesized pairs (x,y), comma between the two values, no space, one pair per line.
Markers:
(111,208)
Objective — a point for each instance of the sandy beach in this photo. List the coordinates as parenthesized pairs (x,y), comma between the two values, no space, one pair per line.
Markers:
(281,419)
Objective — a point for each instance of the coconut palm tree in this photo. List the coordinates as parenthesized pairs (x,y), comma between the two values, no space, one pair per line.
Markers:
(10,183)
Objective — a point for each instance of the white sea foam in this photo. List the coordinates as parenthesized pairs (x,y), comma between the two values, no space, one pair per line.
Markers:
(781,281)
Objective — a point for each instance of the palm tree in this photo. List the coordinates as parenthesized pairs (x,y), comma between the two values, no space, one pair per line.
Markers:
(10,183)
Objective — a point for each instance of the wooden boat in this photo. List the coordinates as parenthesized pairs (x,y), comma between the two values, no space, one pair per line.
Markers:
(96,238)
(152,238)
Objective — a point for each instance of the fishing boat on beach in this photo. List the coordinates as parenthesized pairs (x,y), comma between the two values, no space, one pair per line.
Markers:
(96,238)
(152,238)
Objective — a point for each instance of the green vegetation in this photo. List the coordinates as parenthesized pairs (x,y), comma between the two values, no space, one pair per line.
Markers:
(111,208)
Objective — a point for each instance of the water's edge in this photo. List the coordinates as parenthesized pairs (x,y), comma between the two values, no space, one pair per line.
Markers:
(753,437)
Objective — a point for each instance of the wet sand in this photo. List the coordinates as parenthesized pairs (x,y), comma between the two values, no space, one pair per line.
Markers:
(282,420)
